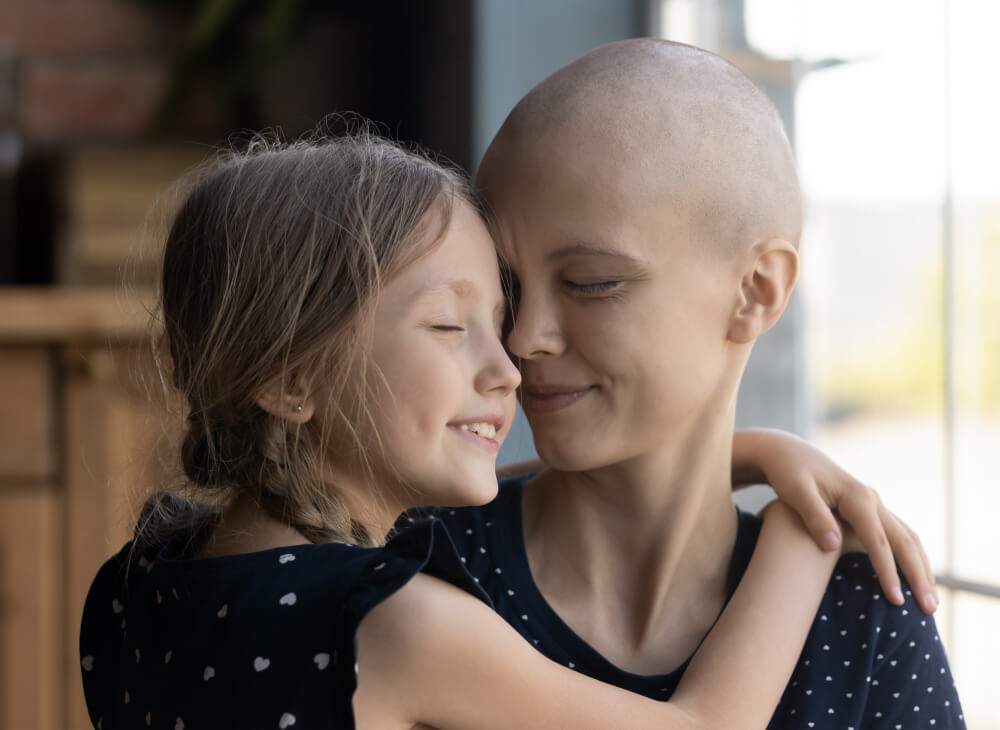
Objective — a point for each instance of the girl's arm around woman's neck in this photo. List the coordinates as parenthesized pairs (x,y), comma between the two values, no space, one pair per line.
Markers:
(432,654)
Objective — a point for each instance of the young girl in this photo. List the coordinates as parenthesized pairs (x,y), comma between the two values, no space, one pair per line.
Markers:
(333,314)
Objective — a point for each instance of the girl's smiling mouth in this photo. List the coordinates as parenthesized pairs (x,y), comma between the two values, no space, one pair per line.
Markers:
(481,430)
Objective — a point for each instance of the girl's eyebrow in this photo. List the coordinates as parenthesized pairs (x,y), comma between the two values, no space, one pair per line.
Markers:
(589,249)
(465,289)
(462,288)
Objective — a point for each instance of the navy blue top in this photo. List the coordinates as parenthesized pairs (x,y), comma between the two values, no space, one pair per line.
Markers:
(865,664)
(260,640)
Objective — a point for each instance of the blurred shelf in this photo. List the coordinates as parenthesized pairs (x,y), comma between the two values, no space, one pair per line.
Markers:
(37,315)
(79,430)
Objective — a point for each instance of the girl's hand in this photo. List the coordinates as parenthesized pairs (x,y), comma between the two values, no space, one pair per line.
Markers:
(815,487)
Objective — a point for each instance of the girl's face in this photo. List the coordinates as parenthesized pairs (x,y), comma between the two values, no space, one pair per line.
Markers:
(444,386)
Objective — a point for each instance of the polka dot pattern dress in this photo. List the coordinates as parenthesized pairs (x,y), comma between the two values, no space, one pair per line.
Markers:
(866,663)
(261,640)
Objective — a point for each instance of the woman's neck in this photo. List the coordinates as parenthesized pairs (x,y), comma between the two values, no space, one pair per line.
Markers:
(628,549)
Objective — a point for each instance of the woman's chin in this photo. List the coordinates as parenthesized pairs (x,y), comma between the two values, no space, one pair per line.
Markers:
(566,454)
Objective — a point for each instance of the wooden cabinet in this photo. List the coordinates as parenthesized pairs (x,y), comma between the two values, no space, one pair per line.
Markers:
(31,602)
(78,446)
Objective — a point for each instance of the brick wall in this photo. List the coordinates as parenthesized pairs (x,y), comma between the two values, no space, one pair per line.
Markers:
(89,78)
(86,69)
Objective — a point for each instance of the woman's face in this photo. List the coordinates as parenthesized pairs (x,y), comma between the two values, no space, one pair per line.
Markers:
(620,326)
(444,385)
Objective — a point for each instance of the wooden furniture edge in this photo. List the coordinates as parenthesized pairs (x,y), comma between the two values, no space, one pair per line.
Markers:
(38,315)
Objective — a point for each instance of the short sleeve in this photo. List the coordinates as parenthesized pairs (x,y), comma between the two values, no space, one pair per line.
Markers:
(911,682)
(102,630)
(423,547)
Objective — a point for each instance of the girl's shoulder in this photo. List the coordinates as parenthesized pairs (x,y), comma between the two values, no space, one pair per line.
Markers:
(323,579)
(157,620)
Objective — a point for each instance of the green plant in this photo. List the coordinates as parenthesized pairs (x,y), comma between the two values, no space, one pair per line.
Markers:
(231,43)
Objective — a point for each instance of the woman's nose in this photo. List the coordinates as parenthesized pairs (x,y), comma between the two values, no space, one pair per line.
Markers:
(535,331)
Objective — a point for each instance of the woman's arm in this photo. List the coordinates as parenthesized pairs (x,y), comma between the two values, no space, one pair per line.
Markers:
(434,655)
(815,487)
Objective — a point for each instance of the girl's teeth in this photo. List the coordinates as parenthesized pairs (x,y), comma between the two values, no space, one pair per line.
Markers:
(486,430)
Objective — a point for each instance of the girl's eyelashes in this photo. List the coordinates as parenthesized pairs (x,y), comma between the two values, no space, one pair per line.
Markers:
(447,328)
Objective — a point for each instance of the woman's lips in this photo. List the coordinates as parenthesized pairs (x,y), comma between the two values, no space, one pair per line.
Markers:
(551,399)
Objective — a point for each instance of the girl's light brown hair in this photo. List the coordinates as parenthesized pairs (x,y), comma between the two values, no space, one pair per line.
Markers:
(271,272)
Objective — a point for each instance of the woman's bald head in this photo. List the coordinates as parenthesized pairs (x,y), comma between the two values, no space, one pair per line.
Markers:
(673,122)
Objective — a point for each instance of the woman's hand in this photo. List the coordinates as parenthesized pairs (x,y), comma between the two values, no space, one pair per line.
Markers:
(815,487)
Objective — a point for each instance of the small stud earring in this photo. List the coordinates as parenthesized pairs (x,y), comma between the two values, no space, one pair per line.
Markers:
(298,408)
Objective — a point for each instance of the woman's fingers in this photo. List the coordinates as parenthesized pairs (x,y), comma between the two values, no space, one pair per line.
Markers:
(861,510)
(912,560)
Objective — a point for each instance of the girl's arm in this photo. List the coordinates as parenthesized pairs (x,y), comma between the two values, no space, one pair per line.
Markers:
(809,482)
(434,655)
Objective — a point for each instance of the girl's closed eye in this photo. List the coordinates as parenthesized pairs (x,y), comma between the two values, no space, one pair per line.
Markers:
(443,319)
(445,322)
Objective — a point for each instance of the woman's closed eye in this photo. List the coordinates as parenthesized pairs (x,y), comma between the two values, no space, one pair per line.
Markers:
(448,328)
(594,287)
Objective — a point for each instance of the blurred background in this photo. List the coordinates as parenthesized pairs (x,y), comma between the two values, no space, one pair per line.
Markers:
(889,357)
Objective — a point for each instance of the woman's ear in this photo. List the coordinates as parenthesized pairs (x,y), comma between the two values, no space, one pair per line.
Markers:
(765,288)
(293,407)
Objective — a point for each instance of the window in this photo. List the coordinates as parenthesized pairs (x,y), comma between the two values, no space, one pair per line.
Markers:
(893,111)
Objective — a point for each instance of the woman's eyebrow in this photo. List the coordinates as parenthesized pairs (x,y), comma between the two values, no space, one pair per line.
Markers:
(500,311)
(589,249)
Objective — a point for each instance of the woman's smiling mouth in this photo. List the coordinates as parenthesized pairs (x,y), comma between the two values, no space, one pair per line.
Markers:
(539,399)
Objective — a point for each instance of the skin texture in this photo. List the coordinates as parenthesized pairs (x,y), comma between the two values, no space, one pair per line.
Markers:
(678,126)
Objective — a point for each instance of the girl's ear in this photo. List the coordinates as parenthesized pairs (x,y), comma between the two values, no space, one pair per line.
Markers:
(765,288)
(293,407)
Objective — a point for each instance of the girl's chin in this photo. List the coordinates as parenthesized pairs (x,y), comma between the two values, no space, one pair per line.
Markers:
(473,493)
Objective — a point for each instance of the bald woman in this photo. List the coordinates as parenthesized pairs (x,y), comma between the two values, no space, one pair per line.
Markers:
(646,201)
